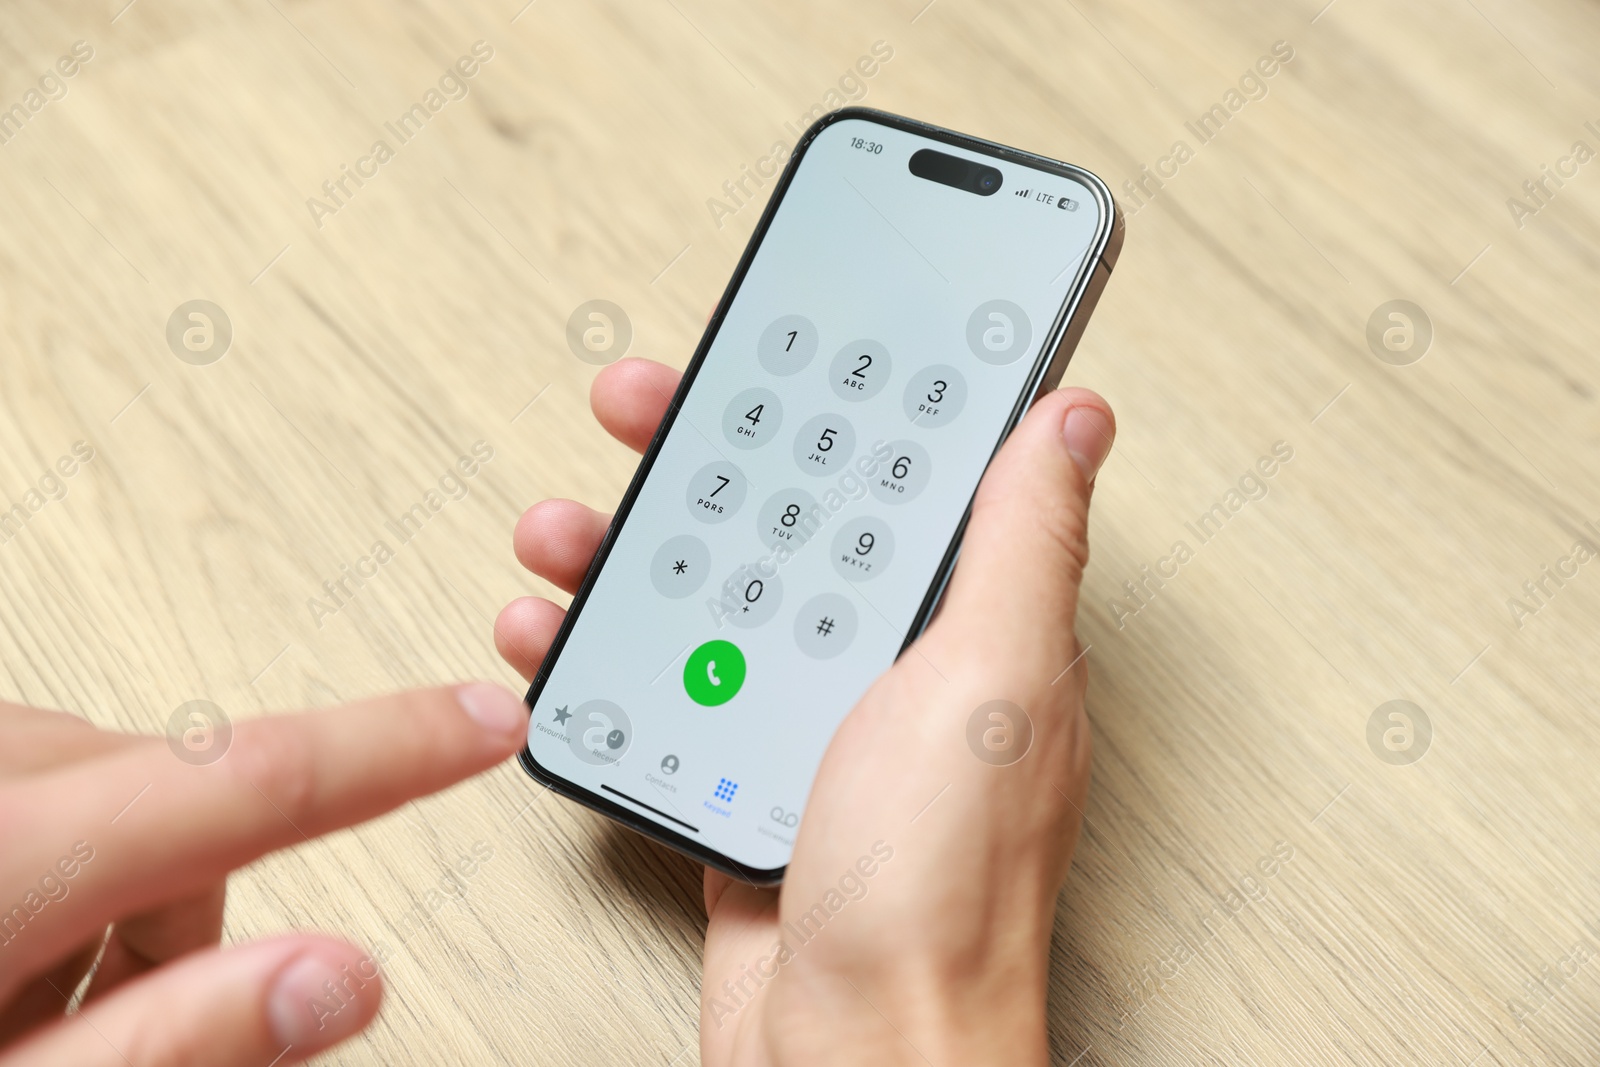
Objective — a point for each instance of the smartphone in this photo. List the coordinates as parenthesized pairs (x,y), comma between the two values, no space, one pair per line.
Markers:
(908,292)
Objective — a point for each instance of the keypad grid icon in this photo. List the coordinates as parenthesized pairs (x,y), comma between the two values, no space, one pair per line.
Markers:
(725,789)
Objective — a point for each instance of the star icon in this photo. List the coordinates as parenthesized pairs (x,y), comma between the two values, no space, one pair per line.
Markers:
(680,566)
(562,714)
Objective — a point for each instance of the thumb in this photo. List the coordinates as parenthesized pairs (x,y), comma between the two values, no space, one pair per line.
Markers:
(1014,595)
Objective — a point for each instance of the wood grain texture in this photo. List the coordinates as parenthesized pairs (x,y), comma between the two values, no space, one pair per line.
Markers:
(1421,906)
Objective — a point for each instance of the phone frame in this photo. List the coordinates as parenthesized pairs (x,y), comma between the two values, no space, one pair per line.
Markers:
(1054,354)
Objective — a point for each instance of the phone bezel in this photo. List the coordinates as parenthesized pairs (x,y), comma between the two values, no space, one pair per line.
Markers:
(1091,260)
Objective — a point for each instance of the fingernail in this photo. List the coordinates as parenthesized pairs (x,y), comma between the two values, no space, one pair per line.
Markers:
(312,1005)
(1088,435)
(493,707)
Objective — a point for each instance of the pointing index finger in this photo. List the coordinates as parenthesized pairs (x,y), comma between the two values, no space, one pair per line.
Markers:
(145,828)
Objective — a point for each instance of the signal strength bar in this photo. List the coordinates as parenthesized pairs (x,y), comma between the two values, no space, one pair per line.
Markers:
(1024,192)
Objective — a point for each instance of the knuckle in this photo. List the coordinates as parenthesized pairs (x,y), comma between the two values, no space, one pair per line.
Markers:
(145,1043)
(1005,508)
(428,721)
(1081,750)
(1068,528)
(277,760)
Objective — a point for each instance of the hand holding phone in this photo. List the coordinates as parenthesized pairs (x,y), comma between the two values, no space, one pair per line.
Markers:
(923,881)
(908,293)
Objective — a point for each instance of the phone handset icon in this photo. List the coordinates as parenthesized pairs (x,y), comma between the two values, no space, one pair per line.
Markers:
(714,673)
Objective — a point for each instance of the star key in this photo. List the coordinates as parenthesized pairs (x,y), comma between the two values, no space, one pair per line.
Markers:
(680,566)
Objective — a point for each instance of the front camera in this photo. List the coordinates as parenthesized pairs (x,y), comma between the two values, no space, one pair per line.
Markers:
(958,173)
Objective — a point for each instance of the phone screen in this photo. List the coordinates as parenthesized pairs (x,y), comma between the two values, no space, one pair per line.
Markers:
(803,502)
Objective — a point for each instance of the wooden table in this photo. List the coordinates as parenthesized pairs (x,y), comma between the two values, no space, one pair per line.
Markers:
(1434,910)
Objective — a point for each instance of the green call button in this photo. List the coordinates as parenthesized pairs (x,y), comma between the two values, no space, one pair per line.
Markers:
(714,673)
